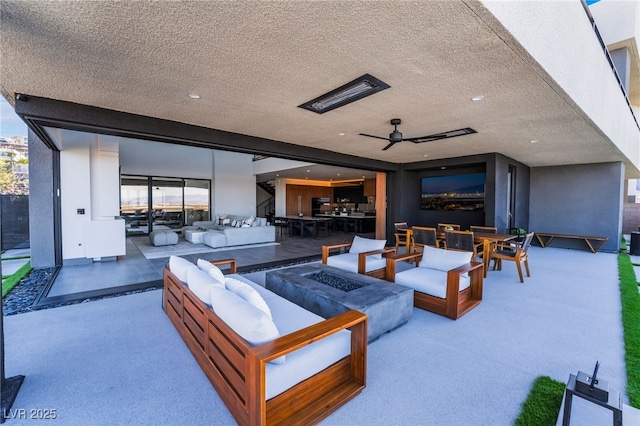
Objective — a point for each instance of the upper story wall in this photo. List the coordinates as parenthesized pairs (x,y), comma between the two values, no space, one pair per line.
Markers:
(556,38)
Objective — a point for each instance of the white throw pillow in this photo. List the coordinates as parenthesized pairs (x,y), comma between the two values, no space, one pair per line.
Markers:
(226,221)
(443,260)
(212,270)
(248,293)
(361,245)
(178,266)
(249,322)
(200,283)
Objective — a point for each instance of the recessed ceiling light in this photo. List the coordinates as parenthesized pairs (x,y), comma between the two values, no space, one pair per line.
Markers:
(308,171)
(443,167)
(477,98)
(338,174)
(534,141)
(425,155)
(341,134)
(194,96)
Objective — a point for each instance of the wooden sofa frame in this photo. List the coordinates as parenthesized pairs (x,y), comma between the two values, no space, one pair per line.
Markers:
(457,303)
(237,369)
(362,258)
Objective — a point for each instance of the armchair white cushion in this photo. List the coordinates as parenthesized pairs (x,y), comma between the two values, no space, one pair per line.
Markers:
(349,262)
(445,282)
(361,244)
(443,260)
(429,281)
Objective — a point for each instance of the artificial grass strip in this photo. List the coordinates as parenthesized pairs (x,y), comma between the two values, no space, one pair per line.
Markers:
(630,299)
(542,406)
(12,280)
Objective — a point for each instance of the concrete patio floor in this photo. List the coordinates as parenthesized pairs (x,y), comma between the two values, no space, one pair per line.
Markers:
(120,361)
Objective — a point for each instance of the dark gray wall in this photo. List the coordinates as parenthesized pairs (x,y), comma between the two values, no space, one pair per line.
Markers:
(15,221)
(582,199)
(404,193)
(41,214)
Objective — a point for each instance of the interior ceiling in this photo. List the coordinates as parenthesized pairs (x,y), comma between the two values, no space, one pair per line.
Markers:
(253,63)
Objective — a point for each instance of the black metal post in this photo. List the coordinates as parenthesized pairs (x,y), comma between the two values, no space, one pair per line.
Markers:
(11,385)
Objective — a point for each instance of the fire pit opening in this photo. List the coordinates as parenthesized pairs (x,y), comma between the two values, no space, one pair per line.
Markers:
(335,281)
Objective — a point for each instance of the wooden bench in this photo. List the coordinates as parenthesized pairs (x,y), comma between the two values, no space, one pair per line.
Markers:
(237,369)
(594,243)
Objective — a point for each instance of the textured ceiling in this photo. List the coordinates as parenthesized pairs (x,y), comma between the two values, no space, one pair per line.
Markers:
(253,62)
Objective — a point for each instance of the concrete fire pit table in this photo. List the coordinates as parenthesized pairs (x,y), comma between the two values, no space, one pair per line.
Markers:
(328,291)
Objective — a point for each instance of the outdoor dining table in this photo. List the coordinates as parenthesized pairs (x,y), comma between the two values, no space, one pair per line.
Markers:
(488,240)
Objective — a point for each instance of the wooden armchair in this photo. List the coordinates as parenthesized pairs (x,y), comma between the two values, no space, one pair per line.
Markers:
(445,282)
(362,255)
(519,255)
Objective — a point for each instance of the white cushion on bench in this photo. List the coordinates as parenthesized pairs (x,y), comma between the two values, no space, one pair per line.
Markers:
(200,283)
(307,361)
(349,262)
(178,266)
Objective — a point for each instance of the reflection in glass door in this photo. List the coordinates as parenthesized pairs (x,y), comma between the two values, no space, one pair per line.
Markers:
(175,202)
(196,200)
(166,196)
(134,204)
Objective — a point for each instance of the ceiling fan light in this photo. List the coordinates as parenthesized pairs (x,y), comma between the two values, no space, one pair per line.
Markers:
(357,89)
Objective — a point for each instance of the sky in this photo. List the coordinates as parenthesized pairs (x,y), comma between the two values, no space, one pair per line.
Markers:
(10,123)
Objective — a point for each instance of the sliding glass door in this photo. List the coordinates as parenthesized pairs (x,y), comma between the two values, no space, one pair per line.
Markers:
(134,204)
(174,202)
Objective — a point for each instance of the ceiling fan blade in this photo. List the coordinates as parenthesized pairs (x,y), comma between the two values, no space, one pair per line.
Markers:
(389,146)
(372,136)
(444,135)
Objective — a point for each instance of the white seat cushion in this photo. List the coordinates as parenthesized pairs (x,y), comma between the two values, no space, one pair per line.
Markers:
(307,360)
(429,281)
(349,262)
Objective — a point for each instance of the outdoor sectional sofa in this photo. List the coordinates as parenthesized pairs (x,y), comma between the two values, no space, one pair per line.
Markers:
(312,369)
(219,235)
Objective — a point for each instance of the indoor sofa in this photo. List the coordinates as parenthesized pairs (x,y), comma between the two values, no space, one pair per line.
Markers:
(270,361)
(234,231)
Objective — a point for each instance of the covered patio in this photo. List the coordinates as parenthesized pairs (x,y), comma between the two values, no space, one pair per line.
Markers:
(120,361)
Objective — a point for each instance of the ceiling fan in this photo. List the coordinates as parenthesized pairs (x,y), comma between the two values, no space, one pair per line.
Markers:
(396,135)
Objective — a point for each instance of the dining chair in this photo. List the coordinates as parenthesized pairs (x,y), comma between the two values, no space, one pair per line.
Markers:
(484,230)
(423,236)
(401,234)
(520,255)
(459,240)
(442,227)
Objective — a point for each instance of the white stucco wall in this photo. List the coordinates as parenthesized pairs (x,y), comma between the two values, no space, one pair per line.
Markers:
(160,159)
(234,187)
(75,193)
(559,37)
